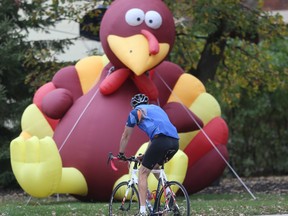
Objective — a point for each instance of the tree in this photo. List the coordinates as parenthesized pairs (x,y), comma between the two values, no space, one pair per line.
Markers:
(22,65)
(239,52)
(223,40)
(12,79)
(258,125)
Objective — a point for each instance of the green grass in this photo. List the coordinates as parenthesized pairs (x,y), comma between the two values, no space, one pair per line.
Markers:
(204,205)
(239,205)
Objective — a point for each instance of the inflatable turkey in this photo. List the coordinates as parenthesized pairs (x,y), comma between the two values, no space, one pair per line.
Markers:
(78,118)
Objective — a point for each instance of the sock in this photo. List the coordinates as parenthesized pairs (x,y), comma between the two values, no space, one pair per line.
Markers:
(168,190)
(142,209)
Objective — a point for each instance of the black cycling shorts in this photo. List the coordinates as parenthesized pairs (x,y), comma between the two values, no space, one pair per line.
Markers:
(161,150)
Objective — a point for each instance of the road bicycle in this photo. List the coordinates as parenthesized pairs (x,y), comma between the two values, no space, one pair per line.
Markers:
(169,198)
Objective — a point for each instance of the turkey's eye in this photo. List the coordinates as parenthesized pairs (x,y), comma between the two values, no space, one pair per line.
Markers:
(153,19)
(134,17)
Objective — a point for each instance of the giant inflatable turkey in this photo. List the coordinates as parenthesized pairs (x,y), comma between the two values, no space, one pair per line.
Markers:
(78,118)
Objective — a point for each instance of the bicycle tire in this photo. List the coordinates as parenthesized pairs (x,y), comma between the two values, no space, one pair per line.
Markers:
(181,205)
(119,205)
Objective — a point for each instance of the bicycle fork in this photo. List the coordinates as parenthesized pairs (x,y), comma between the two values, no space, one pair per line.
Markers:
(125,197)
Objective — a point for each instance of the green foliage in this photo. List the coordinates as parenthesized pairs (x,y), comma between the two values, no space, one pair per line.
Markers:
(11,80)
(264,69)
(243,52)
(231,37)
(41,62)
(258,131)
(258,124)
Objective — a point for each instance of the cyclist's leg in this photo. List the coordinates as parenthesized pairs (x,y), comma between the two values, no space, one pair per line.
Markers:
(149,161)
(142,184)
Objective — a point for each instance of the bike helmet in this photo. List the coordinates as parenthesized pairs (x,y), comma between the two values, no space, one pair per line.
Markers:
(139,99)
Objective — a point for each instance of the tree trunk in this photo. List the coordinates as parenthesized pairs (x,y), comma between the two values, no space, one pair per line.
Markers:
(209,61)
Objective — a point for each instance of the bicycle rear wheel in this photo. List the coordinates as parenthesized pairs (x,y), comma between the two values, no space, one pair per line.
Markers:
(124,200)
(176,203)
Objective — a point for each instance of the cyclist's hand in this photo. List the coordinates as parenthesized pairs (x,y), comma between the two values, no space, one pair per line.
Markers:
(121,156)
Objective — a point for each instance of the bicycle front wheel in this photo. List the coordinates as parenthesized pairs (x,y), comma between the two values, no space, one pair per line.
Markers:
(124,200)
(175,203)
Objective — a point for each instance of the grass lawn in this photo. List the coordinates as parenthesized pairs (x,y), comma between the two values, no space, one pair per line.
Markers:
(201,204)
(239,204)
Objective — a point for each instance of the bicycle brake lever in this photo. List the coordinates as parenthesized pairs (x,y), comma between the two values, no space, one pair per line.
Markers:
(110,161)
(110,157)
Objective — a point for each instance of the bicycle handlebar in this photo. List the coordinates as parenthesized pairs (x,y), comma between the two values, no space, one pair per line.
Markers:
(111,158)
(110,161)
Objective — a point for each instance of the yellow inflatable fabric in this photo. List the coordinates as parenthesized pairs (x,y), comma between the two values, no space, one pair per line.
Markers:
(200,107)
(37,166)
(89,70)
(34,123)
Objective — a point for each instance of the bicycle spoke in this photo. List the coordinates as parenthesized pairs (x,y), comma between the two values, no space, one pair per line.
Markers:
(124,200)
(176,203)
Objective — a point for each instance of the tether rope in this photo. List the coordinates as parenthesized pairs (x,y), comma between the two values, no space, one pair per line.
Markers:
(82,113)
(206,135)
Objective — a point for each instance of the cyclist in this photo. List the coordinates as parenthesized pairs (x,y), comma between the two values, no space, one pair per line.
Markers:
(163,137)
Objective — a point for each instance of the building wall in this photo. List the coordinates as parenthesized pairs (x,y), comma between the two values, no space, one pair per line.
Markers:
(276,4)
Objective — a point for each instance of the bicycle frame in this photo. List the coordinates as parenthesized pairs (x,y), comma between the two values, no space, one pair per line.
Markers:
(162,186)
(134,177)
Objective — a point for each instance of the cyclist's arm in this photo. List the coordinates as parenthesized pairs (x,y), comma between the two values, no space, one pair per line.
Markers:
(132,120)
(125,138)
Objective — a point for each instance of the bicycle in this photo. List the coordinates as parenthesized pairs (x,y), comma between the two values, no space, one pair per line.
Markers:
(170,197)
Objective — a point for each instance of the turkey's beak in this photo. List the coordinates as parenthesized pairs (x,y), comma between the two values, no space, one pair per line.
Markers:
(138,52)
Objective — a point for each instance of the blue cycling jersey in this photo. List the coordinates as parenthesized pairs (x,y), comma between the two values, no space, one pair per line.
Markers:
(152,120)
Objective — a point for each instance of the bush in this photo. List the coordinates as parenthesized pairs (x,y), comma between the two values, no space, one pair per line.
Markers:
(258,143)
